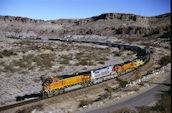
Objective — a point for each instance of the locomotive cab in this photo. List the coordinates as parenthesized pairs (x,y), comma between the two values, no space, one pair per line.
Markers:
(49,85)
(47,82)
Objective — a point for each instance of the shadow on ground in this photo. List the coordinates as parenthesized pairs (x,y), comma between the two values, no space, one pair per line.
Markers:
(19,98)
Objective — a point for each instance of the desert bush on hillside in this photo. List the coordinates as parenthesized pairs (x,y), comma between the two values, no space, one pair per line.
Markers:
(162,106)
(6,53)
(137,73)
(44,60)
(90,58)
(8,68)
(65,59)
(1,56)
(109,89)
(104,96)
(123,110)
(122,82)
(101,62)
(84,62)
(30,109)
(61,68)
(84,103)
(25,42)
(164,60)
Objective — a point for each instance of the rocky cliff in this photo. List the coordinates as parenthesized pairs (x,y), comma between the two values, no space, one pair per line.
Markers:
(108,24)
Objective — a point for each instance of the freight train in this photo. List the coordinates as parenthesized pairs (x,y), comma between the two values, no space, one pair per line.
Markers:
(59,84)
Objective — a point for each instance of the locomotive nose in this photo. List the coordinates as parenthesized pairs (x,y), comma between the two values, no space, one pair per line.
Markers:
(46,86)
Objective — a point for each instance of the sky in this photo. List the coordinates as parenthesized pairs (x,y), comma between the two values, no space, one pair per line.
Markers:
(56,9)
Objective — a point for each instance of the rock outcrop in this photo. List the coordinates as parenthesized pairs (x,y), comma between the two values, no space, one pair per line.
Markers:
(108,24)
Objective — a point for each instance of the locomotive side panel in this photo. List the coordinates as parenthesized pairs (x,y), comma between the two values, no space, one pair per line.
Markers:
(128,65)
(72,80)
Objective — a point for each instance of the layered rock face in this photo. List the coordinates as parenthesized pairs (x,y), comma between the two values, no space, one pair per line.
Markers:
(108,24)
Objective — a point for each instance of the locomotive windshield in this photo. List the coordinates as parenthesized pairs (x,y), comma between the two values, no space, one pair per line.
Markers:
(48,81)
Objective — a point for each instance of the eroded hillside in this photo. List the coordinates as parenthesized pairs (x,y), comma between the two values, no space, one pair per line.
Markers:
(109,24)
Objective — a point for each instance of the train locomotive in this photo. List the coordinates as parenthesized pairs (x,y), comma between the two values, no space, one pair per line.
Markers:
(58,84)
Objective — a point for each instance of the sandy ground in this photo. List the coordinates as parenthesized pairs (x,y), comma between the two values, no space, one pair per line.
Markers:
(24,63)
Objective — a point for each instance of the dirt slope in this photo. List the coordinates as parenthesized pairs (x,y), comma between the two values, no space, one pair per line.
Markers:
(108,24)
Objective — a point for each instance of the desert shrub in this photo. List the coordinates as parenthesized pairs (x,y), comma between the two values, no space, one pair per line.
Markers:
(31,68)
(136,89)
(78,56)
(84,103)
(26,61)
(42,78)
(164,60)
(85,63)
(21,63)
(85,68)
(104,96)
(38,107)
(117,53)
(122,82)
(60,68)
(1,56)
(104,58)
(53,22)
(101,62)
(137,73)
(67,57)
(34,47)
(147,109)
(6,53)
(25,42)
(109,90)
(162,106)
(23,72)
(123,110)
(9,68)
(44,60)
(64,61)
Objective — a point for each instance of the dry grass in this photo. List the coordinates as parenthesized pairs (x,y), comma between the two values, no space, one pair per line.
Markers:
(122,83)
(123,110)
(164,60)
(31,108)
(162,106)
(6,53)
(84,103)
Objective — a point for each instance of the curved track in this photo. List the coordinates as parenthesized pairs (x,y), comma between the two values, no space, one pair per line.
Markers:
(141,53)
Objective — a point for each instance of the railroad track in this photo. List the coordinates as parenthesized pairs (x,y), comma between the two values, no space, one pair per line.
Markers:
(70,94)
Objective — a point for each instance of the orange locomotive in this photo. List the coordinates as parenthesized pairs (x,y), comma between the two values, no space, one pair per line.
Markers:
(121,67)
(57,84)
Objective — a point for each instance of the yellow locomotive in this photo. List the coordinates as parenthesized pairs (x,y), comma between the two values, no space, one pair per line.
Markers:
(57,84)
